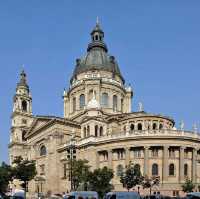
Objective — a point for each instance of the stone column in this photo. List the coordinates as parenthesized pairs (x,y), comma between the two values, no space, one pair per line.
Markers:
(181,164)
(110,158)
(165,163)
(97,159)
(127,160)
(194,165)
(146,159)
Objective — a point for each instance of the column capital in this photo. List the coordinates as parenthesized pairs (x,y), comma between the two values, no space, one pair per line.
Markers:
(166,146)
(127,148)
(146,147)
(182,147)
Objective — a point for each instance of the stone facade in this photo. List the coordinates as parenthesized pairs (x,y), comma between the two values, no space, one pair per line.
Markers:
(97,114)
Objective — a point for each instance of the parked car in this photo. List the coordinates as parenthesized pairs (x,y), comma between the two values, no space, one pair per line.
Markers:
(122,195)
(83,195)
(193,195)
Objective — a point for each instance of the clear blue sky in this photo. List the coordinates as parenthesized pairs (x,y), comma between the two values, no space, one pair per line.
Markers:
(157,45)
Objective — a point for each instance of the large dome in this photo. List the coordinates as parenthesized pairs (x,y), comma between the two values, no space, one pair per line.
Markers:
(97,57)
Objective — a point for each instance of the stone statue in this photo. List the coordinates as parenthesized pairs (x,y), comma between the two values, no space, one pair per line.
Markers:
(195,128)
(182,124)
(140,107)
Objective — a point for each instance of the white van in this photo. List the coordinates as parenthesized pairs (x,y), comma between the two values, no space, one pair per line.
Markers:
(83,195)
(122,195)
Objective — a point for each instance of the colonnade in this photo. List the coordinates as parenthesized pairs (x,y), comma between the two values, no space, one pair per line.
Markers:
(165,160)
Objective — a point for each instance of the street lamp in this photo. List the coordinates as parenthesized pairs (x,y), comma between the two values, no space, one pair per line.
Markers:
(72,147)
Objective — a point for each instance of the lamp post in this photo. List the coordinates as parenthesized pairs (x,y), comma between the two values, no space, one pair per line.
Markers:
(71,149)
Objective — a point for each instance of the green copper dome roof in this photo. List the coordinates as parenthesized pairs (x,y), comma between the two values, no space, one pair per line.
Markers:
(97,57)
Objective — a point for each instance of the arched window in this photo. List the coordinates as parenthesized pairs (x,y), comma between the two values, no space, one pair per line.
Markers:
(161,126)
(43,150)
(137,168)
(185,169)
(82,101)
(154,170)
(85,132)
(139,126)
(96,37)
(96,131)
(154,126)
(132,127)
(88,131)
(119,170)
(115,102)
(104,100)
(24,106)
(101,131)
(23,135)
(74,104)
(171,170)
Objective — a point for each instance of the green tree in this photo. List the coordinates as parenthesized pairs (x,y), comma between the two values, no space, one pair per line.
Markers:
(199,187)
(131,177)
(188,186)
(99,181)
(148,182)
(79,173)
(24,170)
(5,177)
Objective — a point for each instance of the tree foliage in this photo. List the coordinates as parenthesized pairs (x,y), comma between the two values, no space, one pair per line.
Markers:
(188,186)
(24,170)
(131,177)
(149,182)
(100,181)
(80,173)
(5,177)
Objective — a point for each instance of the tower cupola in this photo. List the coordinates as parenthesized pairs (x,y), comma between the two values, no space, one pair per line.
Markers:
(22,99)
(97,37)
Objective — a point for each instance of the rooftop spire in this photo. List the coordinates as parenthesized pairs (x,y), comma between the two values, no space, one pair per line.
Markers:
(97,36)
(22,81)
(97,21)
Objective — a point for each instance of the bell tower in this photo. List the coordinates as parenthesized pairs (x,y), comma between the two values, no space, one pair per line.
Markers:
(22,99)
(21,118)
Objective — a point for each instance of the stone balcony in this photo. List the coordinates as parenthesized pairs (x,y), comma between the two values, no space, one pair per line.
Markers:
(138,134)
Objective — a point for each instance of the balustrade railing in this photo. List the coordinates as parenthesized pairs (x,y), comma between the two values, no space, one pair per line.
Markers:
(139,133)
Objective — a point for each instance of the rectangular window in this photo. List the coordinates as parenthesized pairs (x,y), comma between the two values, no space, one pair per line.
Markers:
(42,169)
(137,153)
(154,152)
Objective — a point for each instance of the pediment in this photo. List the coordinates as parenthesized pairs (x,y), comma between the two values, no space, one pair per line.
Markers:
(37,124)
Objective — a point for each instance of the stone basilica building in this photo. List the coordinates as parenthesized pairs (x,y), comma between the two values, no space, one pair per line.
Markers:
(98,116)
